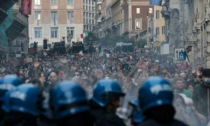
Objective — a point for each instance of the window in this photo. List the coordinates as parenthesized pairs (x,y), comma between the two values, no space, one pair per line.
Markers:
(53,16)
(38,32)
(163,30)
(37,2)
(53,2)
(138,24)
(150,10)
(157,14)
(70,15)
(70,2)
(70,31)
(138,10)
(157,31)
(37,15)
(54,32)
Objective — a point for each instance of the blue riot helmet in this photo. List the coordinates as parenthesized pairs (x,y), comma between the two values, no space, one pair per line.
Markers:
(8,82)
(103,88)
(11,79)
(136,114)
(23,99)
(155,92)
(68,98)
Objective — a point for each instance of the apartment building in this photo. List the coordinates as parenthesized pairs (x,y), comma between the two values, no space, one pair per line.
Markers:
(159,29)
(56,20)
(88,15)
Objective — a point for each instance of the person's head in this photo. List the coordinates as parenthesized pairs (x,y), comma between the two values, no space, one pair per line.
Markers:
(107,94)
(179,84)
(8,83)
(181,101)
(68,98)
(36,82)
(183,75)
(206,77)
(155,92)
(190,88)
(53,77)
(76,74)
(164,70)
(176,75)
(23,100)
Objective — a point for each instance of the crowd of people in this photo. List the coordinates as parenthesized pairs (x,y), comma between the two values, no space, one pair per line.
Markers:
(103,89)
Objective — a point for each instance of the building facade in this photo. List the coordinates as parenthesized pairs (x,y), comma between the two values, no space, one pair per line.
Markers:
(187,25)
(13,26)
(56,20)
(88,15)
(200,40)
(158,27)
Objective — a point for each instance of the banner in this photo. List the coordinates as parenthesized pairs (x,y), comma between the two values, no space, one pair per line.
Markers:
(28,60)
(26,7)
(156,2)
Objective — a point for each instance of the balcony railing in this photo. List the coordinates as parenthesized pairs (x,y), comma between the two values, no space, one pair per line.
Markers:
(21,18)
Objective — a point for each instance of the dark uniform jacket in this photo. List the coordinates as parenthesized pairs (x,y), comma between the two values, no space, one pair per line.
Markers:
(152,122)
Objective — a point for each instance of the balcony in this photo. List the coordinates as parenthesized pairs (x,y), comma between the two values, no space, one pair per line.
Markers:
(21,18)
(114,2)
(3,15)
(18,24)
(7,4)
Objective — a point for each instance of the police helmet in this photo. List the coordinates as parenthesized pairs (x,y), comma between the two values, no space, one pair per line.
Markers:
(136,114)
(8,82)
(68,98)
(11,79)
(155,91)
(22,99)
(103,88)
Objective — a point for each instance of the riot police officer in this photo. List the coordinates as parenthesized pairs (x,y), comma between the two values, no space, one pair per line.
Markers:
(7,83)
(21,105)
(155,100)
(68,100)
(105,101)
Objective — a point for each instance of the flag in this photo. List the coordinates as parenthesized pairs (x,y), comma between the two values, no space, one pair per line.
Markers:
(156,2)
(187,61)
(85,34)
(26,7)
(81,36)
